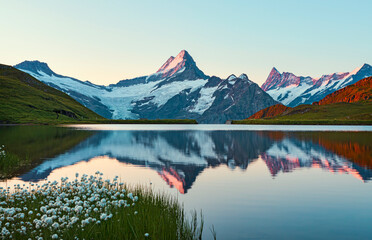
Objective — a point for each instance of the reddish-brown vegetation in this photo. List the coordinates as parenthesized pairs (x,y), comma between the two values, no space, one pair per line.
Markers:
(359,91)
(270,111)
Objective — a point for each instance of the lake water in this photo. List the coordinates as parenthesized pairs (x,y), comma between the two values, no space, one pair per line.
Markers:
(251,182)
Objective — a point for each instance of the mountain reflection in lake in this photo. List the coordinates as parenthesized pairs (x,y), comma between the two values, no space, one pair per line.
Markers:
(249,184)
(180,156)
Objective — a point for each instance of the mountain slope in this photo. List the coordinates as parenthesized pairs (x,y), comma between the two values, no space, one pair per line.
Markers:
(177,90)
(292,90)
(83,92)
(232,98)
(360,91)
(24,99)
(353,102)
(120,101)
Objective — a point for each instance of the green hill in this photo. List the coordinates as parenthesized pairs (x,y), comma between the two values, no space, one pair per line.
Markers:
(24,99)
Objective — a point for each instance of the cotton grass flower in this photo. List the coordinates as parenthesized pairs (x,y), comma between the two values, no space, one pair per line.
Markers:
(39,210)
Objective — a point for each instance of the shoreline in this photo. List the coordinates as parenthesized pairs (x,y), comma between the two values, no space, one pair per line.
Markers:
(303,122)
(107,121)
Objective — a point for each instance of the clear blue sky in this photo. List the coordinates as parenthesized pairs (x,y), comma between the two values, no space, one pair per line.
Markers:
(106,41)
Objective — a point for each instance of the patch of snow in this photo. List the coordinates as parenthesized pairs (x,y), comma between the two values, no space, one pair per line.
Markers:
(292,92)
(180,71)
(222,86)
(291,86)
(229,107)
(243,76)
(205,100)
(231,77)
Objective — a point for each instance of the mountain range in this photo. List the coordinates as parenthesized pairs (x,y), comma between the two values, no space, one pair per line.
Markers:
(292,90)
(179,157)
(353,102)
(180,90)
(177,90)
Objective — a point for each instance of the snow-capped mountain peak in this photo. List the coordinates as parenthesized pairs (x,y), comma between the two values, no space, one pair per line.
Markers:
(363,70)
(179,89)
(273,79)
(182,63)
(243,76)
(357,69)
(175,62)
(231,77)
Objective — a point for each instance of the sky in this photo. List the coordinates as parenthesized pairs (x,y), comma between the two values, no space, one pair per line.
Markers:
(107,41)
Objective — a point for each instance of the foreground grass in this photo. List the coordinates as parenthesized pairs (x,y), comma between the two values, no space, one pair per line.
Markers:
(91,208)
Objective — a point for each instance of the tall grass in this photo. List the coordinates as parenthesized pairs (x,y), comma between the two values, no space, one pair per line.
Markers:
(93,208)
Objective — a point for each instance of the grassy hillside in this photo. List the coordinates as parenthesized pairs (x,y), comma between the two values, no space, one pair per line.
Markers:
(350,105)
(24,99)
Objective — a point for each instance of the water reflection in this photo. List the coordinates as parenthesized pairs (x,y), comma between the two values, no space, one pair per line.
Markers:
(28,146)
(249,184)
(180,156)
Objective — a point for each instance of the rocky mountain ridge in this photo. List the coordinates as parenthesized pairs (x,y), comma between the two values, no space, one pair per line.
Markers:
(292,90)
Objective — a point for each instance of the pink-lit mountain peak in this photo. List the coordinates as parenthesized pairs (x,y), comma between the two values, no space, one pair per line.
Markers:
(175,64)
(183,64)
(274,71)
(166,64)
(279,80)
(292,90)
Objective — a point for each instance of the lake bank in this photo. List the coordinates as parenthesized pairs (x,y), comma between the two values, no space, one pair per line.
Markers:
(301,122)
(104,121)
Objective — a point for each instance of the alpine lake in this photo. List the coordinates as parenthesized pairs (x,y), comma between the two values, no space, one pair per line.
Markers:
(250,181)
